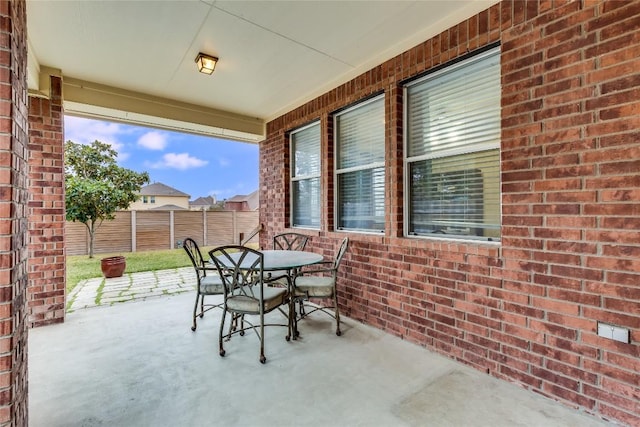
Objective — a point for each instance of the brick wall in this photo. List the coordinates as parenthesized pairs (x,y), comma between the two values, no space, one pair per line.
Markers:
(46,208)
(13,215)
(524,310)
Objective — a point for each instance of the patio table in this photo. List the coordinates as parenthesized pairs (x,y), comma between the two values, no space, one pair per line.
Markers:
(285,260)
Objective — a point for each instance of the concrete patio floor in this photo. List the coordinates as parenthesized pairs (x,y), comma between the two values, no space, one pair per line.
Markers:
(139,364)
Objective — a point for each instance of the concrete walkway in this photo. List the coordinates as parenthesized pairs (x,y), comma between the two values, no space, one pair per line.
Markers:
(130,287)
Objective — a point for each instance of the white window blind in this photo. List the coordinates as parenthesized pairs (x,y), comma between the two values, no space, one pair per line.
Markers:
(360,174)
(452,146)
(305,176)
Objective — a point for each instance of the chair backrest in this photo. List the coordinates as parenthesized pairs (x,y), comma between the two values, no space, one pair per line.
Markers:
(341,252)
(240,268)
(191,248)
(290,241)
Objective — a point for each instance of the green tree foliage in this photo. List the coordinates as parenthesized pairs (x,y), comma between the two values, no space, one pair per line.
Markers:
(96,186)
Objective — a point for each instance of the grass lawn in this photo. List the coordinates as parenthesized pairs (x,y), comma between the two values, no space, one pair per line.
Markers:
(80,267)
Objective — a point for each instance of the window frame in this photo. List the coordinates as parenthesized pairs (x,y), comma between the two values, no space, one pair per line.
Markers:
(408,161)
(372,166)
(293,178)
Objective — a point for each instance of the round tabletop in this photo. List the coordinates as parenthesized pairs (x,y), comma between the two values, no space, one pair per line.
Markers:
(282,260)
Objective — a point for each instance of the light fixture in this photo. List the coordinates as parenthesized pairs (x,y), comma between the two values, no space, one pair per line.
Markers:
(206,63)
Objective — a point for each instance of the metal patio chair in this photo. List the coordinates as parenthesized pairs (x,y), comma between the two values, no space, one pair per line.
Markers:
(308,286)
(208,281)
(246,293)
(290,241)
(286,242)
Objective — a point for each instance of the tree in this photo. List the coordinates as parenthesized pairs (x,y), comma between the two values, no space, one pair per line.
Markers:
(96,186)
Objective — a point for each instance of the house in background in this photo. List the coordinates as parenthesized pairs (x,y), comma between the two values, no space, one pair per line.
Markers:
(249,202)
(160,196)
(203,203)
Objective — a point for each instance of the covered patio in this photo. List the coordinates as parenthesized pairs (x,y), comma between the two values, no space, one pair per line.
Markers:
(107,366)
(536,284)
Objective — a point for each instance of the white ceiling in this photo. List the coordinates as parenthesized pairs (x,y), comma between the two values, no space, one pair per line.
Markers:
(274,55)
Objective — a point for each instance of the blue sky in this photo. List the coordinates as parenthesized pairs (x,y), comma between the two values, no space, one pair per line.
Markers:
(197,165)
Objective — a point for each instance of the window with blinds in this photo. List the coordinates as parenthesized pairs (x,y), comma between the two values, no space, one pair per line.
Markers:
(360,175)
(452,150)
(305,176)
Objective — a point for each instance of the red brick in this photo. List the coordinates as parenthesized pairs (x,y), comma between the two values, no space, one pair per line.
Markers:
(42,215)
(569,395)
(629,320)
(623,417)
(630,363)
(569,182)
(610,398)
(571,371)
(629,292)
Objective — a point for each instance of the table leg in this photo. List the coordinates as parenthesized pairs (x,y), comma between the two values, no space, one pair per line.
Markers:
(292,300)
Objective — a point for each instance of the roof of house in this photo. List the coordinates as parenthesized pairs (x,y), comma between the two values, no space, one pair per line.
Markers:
(253,200)
(160,189)
(203,201)
(168,208)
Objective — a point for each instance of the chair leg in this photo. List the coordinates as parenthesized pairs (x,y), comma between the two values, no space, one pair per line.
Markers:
(241,324)
(202,306)
(221,348)
(337,311)
(302,313)
(263,359)
(233,325)
(195,312)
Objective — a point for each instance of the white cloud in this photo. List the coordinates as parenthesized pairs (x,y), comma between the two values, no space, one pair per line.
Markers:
(224,162)
(181,161)
(122,156)
(85,131)
(153,141)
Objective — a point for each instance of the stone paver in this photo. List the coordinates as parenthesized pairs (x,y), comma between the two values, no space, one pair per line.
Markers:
(131,287)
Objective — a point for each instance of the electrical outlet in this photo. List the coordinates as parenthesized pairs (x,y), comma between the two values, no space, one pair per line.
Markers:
(612,332)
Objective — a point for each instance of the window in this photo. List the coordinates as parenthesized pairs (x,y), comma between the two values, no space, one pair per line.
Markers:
(452,150)
(359,139)
(145,199)
(153,199)
(305,176)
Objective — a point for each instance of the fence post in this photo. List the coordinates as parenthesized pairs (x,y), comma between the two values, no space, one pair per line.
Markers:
(172,231)
(234,226)
(134,231)
(204,228)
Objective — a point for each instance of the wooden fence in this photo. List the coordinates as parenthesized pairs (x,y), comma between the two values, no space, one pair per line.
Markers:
(133,231)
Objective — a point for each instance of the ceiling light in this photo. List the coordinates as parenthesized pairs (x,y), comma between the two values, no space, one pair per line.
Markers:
(206,63)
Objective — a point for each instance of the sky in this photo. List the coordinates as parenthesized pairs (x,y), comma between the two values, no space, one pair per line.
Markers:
(197,165)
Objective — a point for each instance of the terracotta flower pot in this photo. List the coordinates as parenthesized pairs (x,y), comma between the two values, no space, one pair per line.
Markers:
(113,266)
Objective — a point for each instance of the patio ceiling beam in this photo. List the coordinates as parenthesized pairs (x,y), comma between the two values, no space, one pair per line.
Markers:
(94,100)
